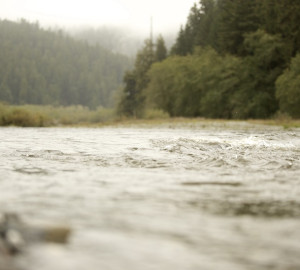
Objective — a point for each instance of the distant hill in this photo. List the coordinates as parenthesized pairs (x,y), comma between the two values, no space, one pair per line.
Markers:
(117,39)
(39,66)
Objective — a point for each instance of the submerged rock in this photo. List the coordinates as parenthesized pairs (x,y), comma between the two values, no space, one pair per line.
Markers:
(15,235)
(11,232)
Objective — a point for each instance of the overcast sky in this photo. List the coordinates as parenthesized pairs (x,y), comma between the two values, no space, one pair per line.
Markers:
(136,14)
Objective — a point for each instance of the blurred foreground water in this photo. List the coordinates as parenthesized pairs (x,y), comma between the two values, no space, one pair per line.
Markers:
(219,196)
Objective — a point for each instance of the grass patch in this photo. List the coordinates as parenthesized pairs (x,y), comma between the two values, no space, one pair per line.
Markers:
(280,119)
(18,116)
(44,116)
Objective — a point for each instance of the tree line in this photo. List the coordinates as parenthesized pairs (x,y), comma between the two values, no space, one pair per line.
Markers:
(232,59)
(39,66)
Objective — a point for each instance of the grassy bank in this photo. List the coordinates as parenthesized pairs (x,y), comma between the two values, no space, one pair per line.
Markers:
(47,116)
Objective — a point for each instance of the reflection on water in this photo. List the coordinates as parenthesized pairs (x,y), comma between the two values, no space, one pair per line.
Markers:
(175,197)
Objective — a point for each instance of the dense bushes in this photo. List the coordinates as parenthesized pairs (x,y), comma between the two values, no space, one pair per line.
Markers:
(255,96)
(21,117)
(288,89)
(220,86)
(194,85)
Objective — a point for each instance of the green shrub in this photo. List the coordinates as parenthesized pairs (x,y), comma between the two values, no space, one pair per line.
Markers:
(155,114)
(22,118)
(194,85)
(288,89)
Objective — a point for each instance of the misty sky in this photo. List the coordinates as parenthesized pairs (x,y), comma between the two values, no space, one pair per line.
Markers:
(167,14)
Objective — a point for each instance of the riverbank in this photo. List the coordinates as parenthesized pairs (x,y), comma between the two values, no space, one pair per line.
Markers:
(203,122)
(53,116)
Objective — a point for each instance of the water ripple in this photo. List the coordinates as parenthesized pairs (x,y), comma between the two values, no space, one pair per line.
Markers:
(212,197)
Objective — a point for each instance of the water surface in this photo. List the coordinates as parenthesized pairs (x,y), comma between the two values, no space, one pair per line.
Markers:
(169,197)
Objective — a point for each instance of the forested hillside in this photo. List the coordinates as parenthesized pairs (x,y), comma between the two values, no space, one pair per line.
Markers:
(232,59)
(39,66)
(115,39)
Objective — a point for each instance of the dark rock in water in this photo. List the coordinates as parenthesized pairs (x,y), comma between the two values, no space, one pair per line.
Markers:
(15,235)
(11,233)
(10,241)
(56,234)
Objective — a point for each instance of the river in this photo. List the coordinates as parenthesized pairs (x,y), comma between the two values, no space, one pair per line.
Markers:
(224,195)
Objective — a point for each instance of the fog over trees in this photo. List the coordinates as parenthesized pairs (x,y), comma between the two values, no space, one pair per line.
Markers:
(231,59)
(117,39)
(41,66)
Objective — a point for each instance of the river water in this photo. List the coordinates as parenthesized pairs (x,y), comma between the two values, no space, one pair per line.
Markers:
(170,197)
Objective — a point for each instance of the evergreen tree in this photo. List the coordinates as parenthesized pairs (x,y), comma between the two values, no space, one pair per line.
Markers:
(179,48)
(207,26)
(144,60)
(288,89)
(160,50)
(237,18)
(128,103)
(186,38)
(200,29)
(132,102)
(283,17)
(192,26)
(255,97)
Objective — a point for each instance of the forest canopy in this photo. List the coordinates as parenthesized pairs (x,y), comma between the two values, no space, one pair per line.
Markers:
(41,66)
(233,59)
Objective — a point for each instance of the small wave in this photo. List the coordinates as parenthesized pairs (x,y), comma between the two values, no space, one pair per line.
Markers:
(247,152)
(44,154)
(53,152)
(258,208)
(263,208)
(31,170)
(142,162)
(211,183)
